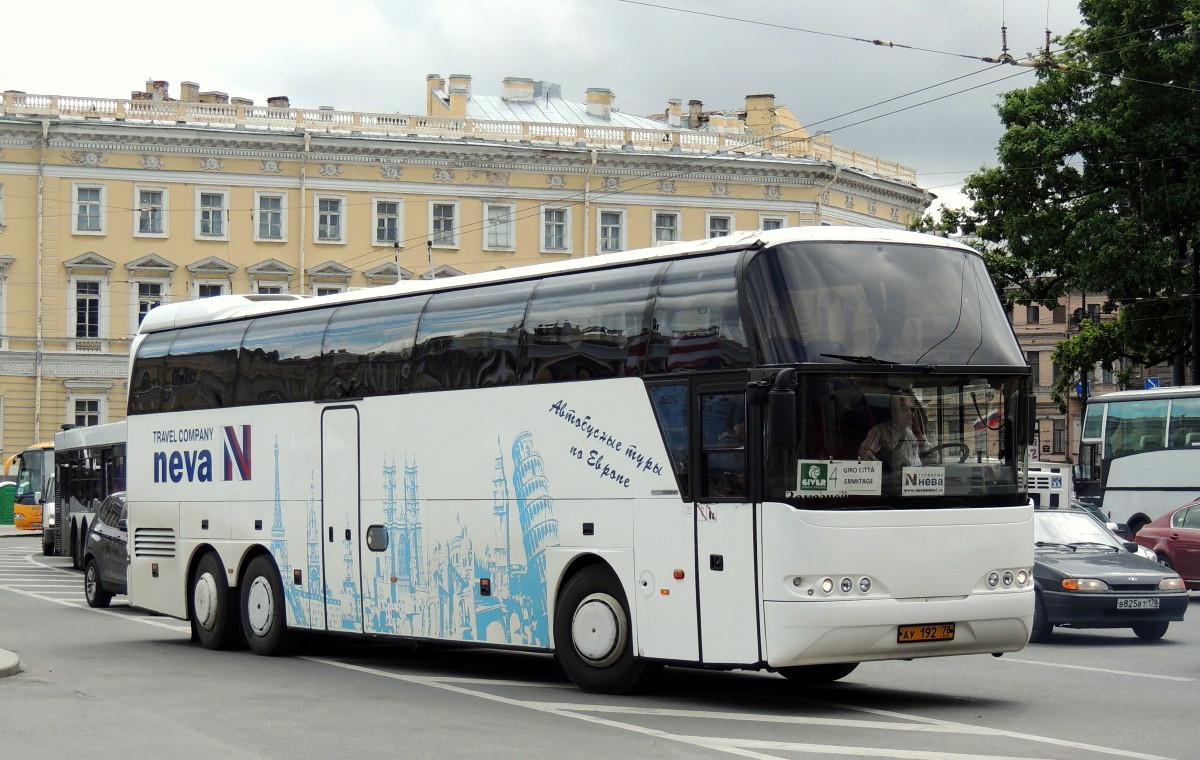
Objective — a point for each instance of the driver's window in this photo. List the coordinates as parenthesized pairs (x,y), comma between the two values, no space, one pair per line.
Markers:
(723,441)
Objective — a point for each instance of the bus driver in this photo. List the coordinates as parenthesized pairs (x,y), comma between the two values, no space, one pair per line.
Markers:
(897,442)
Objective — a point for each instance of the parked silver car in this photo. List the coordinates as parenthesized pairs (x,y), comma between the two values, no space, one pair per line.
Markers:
(105,556)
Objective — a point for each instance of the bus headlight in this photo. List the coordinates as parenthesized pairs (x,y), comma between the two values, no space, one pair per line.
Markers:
(993,579)
(827,585)
(1022,578)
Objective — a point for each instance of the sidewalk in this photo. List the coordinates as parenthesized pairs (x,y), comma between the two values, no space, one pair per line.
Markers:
(10,664)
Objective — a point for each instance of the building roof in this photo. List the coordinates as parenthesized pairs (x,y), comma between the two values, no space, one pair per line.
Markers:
(552,110)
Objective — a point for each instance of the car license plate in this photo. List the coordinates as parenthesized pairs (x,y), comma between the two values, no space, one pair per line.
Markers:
(1137,604)
(931,632)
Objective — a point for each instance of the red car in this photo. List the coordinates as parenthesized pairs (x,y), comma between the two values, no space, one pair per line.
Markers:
(1175,539)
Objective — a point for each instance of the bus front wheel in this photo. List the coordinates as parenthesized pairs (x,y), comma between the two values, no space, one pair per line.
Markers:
(264,618)
(213,619)
(592,635)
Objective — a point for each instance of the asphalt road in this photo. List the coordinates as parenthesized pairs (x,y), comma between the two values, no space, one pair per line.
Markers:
(120,683)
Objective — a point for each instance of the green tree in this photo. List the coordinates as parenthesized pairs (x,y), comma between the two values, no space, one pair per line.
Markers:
(1098,181)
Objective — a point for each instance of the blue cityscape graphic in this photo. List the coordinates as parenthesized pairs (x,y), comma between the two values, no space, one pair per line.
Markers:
(430,586)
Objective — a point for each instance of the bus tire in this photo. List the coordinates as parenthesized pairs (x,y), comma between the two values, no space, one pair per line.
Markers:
(93,589)
(814,675)
(77,548)
(47,547)
(593,637)
(1041,630)
(264,616)
(211,605)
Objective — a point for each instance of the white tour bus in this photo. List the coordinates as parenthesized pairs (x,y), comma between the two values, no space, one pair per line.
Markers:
(634,459)
(1139,455)
(89,464)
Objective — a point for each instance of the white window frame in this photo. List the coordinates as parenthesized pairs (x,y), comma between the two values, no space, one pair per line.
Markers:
(328,288)
(202,281)
(567,236)
(507,223)
(764,218)
(708,224)
(135,298)
(73,282)
(437,238)
(376,216)
(283,216)
(676,215)
(101,399)
(271,287)
(200,212)
(318,225)
(102,203)
(620,239)
(138,210)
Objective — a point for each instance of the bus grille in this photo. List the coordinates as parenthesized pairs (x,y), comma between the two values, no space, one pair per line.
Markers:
(154,542)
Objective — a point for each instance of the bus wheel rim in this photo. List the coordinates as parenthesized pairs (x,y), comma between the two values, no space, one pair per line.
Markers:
(260,606)
(204,601)
(597,630)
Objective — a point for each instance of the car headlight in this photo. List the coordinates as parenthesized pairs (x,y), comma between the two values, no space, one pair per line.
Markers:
(1084,584)
(1171,584)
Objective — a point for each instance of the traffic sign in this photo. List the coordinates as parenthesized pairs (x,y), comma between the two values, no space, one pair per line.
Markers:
(1151,382)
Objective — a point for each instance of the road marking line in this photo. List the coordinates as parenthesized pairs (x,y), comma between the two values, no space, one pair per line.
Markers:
(1106,671)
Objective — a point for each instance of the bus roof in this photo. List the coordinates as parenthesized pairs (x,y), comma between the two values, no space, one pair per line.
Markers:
(92,435)
(1182,391)
(205,310)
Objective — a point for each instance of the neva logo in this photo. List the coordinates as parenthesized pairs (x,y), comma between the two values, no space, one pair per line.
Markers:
(196,465)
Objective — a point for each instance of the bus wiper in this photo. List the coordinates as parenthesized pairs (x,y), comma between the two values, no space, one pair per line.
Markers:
(859,359)
(1077,544)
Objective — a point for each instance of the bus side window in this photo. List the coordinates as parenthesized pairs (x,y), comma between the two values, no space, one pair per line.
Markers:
(723,441)
(671,409)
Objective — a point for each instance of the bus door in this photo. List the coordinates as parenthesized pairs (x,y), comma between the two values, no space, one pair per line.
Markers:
(726,555)
(339,518)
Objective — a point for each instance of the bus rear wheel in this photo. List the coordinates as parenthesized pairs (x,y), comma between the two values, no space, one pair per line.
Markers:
(264,617)
(813,675)
(592,635)
(213,620)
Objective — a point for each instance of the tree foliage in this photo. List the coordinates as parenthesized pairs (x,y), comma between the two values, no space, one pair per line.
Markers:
(1097,186)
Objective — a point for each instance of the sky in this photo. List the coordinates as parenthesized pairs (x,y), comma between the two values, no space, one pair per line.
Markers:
(927,102)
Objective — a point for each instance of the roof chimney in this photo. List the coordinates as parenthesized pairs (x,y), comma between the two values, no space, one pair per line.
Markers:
(600,102)
(436,102)
(279,101)
(157,88)
(695,113)
(675,112)
(760,113)
(517,90)
(460,94)
(189,92)
(214,96)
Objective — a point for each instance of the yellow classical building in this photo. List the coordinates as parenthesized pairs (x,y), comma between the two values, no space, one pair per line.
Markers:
(109,207)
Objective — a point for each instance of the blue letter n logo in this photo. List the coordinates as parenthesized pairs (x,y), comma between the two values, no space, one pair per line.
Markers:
(237,453)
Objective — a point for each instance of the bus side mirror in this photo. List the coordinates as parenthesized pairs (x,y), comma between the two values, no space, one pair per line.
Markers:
(37,498)
(781,411)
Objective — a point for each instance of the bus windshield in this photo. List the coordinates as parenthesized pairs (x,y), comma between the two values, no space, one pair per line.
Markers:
(906,441)
(920,305)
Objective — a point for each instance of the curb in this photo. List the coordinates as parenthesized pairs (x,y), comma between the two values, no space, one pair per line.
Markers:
(10,664)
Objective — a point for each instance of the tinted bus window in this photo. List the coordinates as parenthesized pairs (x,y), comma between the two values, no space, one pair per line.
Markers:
(589,325)
(368,348)
(470,338)
(1185,423)
(280,358)
(201,367)
(1134,426)
(148,381)
(697,325)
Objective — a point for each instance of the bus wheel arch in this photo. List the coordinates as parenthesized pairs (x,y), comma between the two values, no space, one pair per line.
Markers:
(262,609)
(212,608)
(593,631)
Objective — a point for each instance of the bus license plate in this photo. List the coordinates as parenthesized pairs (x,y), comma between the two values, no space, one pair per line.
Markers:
(1137,604)
(931,632)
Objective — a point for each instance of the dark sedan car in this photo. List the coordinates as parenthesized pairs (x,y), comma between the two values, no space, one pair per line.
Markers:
(1175,540)
(1086,577)
(104,553)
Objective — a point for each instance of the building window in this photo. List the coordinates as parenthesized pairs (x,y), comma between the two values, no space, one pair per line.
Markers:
(86,411)
(1059,314)
(1031,315)
(387,222)
(771,222)
(498,218)
(1035,363)
(612,231)
(555,226)
(666,227)
(89,209)
(269,216)
(329,220)
(272,290)
(149,295)
(151,212)
(1058,441)
(328,290)
(210,289)
(87,309)
(443,230)
(211,214)
(719,225)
